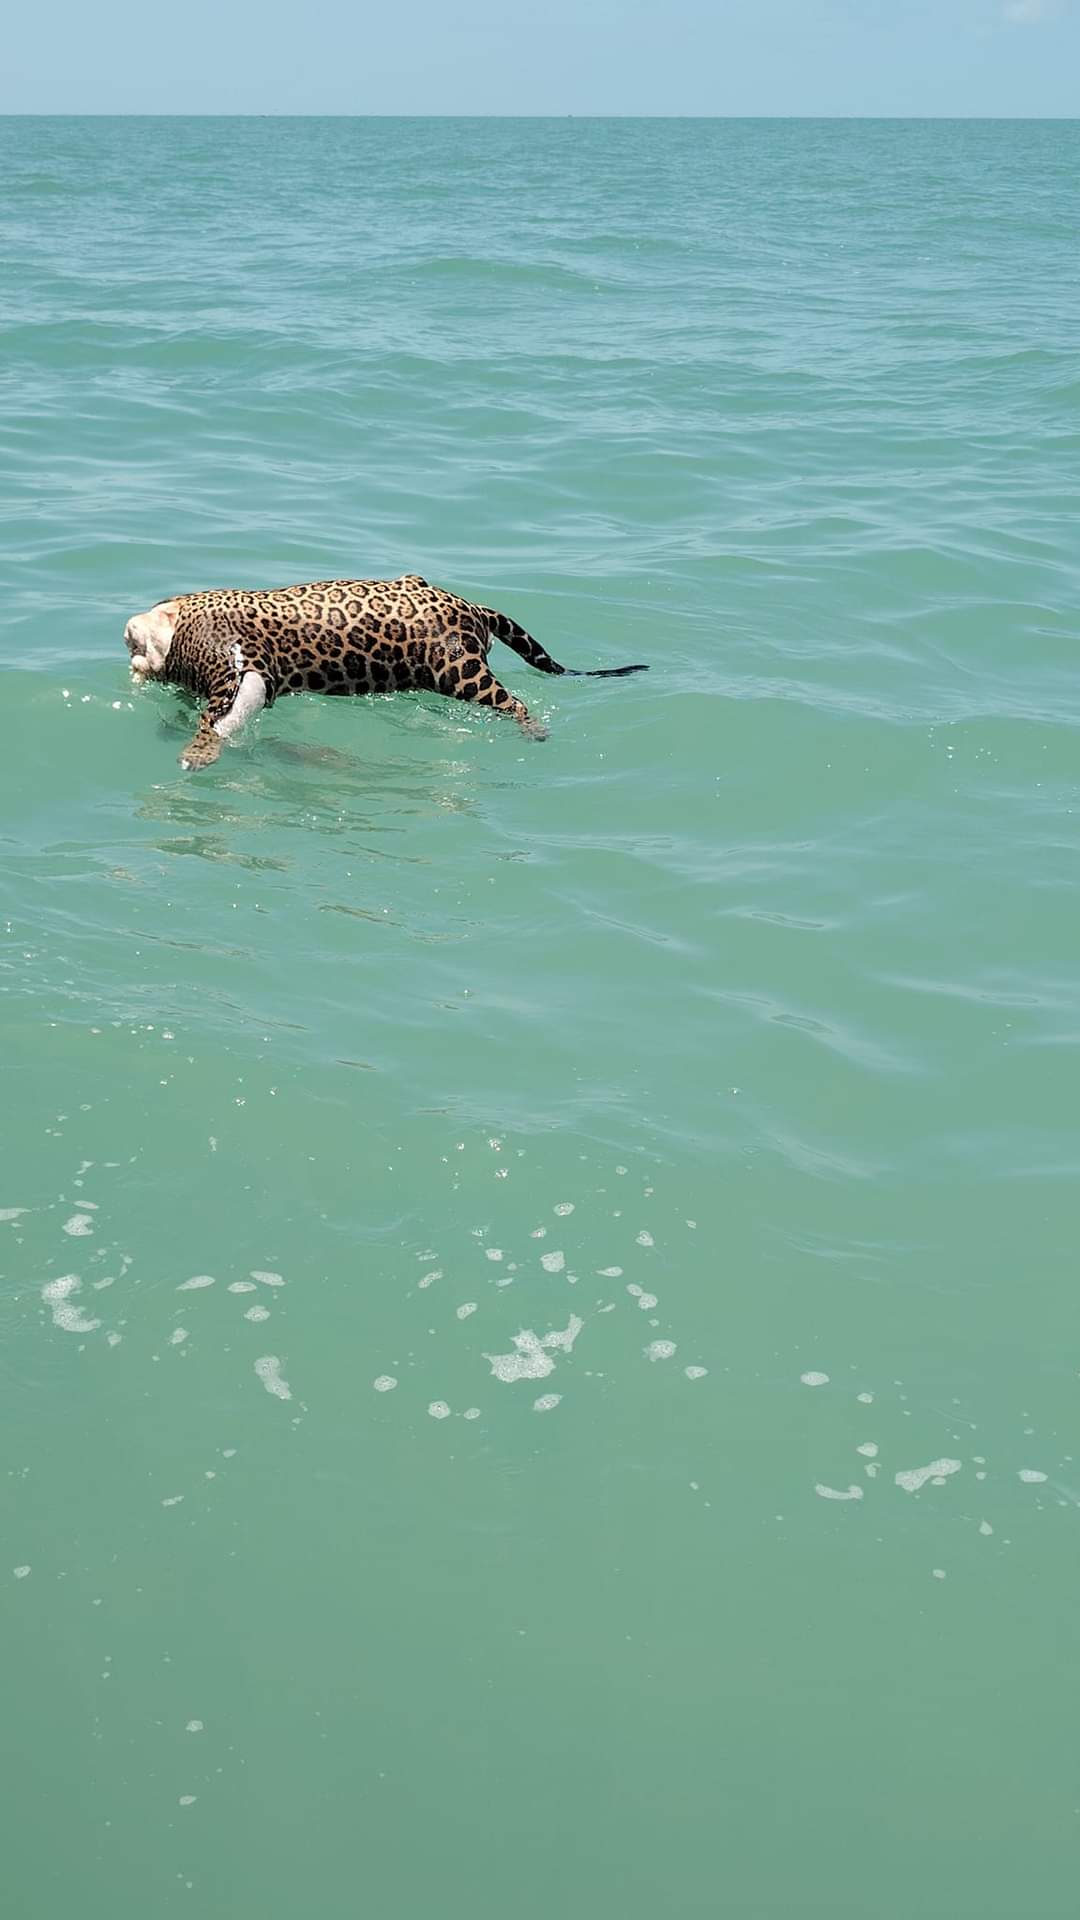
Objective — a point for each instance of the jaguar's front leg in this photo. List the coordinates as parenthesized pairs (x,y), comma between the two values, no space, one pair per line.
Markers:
(204,748)
(224,715)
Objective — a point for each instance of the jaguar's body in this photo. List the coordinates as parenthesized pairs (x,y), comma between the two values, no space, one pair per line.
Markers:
(239,649)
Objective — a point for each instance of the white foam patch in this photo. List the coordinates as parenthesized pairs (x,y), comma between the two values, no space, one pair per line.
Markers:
(439,1410)
(527,1362)
(257,1314)
(564,1342)
(939,1573)
(647,1301)
(563,1207)
(385,1383)
(1031,1476)
(546,1401)
(269,1372)
(55,1290)
(695,1373)
(814,1379)
(912,1478)
(69,1318)
(468,1307)
(553,1262)
(267,1279)
(194,1726)
(867,1399)
(188,1799)
(634,1290)
(838,1493)
(471,1413)
(178,1336)
(114,1339)
(429,1278)
(241,1286)
(20,1572)
(493,1253)
(196,1283)
(659,1350)
(610,1273)
(173,1500)
(985,1527)
(645,1239)
(530,1359)
(79,1225)
(868,1449)
(12,1213)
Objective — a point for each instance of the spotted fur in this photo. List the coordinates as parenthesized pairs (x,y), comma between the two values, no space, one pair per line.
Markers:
(238,648)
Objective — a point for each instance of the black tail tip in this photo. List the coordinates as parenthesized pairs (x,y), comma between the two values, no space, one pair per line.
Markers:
(615,673)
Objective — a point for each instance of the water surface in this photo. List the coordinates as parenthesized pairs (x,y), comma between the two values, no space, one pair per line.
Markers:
(538,1282)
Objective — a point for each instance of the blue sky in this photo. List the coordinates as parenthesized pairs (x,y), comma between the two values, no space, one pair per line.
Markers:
(528,56)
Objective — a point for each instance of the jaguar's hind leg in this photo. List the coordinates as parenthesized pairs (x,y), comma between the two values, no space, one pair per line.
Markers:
(473,680)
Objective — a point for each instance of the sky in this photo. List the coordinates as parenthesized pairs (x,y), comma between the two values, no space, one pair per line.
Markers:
(862,57)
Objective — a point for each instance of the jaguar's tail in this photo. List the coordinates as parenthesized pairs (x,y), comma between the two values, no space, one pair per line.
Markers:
(507,630)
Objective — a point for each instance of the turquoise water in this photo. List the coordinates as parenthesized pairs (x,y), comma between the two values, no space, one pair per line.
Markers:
(737,1023)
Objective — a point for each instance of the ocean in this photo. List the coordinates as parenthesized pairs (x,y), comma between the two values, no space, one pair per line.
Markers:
(538,1281)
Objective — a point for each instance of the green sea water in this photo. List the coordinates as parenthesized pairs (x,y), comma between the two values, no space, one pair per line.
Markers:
(541,1357)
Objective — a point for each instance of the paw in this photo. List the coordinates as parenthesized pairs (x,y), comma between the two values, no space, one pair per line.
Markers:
(199,752)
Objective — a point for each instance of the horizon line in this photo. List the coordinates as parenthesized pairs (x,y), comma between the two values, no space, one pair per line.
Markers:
(281,113)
